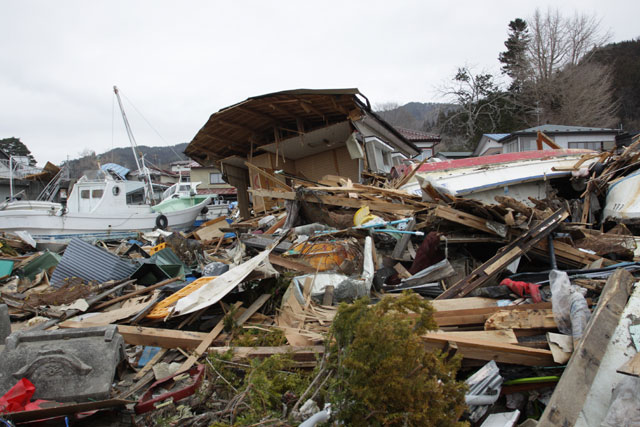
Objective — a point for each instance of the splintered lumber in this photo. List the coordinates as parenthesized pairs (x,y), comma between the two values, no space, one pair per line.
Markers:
(567,254)
(569,397)
(381,206)
(481,349)
(135,293)
(211,229)
(503,258)
(463,218)
(290,264)
(401,246)
(521,319)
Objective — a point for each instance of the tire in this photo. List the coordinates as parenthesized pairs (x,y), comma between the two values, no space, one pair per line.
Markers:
(162,222)
(204,210)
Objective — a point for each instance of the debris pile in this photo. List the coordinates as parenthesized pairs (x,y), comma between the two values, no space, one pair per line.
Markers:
(342,302)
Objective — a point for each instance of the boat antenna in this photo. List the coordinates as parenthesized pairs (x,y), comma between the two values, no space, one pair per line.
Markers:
(142,171)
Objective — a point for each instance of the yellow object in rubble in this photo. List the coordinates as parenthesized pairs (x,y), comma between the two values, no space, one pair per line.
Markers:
(362,216)
(162,309)
(157,248)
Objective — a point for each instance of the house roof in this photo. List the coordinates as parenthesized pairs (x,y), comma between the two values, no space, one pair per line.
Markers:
(496,136)
(258,121)
(418,136)
(550,129)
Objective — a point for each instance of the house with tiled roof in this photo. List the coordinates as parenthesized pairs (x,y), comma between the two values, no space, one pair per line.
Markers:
(425,141)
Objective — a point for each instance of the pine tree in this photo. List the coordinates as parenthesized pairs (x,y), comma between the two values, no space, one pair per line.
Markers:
(514,59)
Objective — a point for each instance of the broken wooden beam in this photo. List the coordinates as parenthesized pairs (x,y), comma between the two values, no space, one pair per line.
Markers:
(503,258)
(468,220)
(381,206)
(480,349)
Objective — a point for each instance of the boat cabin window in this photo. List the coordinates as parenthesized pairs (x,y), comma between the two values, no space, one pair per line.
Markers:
(85,194)
(96,194)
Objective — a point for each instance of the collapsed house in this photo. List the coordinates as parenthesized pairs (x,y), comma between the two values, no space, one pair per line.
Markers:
(304,133)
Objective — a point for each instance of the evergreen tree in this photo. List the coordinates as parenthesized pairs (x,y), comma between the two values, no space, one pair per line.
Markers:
(514,60)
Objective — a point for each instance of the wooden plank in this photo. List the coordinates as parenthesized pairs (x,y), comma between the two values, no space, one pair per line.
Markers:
(403,273)
(500,261)
(463,303)
(521,319)
(478,316)
(569,255)
(157,337)
(631,367)
(298,353)
(204,344)
(146,368)
(463,218)
(479,349)
(290,264)
(327,298)
(268,176)
(504,336)
(401,245)
(395,208)
(571,392)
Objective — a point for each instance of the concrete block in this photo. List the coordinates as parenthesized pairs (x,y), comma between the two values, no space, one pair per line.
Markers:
(64,365)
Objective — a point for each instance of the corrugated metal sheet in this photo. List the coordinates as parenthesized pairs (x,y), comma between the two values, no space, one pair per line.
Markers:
(90,263)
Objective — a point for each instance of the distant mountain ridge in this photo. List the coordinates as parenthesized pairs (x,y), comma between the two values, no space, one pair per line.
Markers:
(156,156)
(414,115)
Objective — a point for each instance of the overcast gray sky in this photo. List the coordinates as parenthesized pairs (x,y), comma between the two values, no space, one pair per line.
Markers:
(178,62)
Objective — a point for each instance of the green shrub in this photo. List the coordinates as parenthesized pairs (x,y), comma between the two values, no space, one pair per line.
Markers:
(383,374)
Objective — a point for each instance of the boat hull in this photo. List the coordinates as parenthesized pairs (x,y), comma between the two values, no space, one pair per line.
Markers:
(517,175)
(52,227)
(623,200)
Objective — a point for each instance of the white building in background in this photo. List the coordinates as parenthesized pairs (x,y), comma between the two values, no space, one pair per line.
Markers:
(579,137)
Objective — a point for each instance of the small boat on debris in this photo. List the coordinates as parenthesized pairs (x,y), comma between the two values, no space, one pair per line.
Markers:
(183,194)
(519,175)
(97,208)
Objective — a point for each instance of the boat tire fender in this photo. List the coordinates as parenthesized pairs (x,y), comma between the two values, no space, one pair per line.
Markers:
(204,210)
(162,222)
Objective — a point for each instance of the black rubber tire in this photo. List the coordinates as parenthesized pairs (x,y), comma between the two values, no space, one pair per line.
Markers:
(204,210)
(162,222)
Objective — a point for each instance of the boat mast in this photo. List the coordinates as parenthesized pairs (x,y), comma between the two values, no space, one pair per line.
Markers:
(142,170)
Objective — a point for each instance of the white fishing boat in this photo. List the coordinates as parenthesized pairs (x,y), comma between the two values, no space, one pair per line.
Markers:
(519,175)
(97,208)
